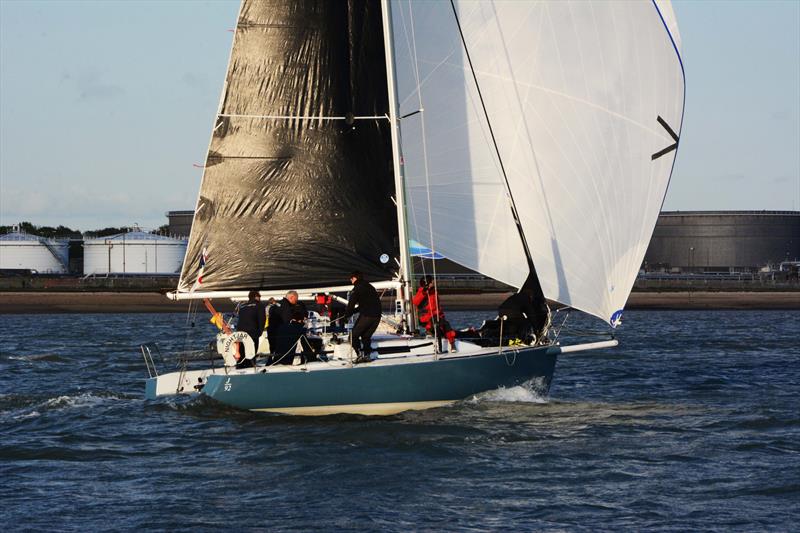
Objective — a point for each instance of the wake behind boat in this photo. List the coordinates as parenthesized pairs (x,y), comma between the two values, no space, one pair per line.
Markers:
(530,142)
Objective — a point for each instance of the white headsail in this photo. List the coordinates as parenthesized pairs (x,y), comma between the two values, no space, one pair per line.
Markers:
(573,107)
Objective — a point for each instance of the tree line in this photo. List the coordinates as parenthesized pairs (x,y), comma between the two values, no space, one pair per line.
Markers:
(63,232)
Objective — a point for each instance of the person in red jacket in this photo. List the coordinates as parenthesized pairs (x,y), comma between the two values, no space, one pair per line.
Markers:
(430,314)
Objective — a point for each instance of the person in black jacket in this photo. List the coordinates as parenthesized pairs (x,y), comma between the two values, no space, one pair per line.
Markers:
(281,314)
(364,301)
(523,318)
(252,317)
(287,338)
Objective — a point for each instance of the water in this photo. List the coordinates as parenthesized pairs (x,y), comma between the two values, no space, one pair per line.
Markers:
(692,423)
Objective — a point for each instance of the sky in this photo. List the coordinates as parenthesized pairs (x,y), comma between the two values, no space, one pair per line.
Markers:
(105,106)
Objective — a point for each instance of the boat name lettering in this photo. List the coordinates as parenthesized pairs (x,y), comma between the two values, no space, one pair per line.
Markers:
(233,337)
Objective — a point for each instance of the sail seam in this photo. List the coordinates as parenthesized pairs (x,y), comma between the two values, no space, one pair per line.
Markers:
(306,117)
(273,158)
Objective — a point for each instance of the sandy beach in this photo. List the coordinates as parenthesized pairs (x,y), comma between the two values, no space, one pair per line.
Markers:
(127,302)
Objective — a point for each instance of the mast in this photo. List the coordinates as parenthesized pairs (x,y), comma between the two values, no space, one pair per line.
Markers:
(400,192)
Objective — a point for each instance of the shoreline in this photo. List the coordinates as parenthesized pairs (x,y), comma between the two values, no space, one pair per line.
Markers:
(139,302)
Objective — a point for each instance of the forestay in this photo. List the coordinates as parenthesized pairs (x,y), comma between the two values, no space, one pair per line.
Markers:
(572,93)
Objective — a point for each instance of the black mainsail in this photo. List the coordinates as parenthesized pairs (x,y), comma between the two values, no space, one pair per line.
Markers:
(298,183)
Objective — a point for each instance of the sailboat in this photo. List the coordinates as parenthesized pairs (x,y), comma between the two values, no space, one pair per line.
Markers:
(532,142)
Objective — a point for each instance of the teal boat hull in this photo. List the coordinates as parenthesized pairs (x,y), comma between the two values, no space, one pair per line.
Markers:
(383,387)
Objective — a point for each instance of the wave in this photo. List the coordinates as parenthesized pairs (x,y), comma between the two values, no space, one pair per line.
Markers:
(39,357)
(82,400)
(21,407)
(30,414)
(533,391)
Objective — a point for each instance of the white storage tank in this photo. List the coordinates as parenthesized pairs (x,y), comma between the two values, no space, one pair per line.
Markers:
(19,250)
(135,252)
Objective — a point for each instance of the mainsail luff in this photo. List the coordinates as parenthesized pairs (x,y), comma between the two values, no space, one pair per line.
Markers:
(293,203)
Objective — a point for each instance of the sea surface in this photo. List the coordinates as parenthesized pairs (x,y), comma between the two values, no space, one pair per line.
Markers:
(692,423)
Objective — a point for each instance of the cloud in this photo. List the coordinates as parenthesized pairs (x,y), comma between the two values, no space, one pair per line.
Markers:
(90,87)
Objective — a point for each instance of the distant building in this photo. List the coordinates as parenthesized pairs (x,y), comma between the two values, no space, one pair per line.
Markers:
(723,241)
(180,222)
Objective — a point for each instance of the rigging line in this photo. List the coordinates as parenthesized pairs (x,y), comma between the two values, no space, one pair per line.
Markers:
(424,155)
(191,317)
(305,117)
(410,197)
(412,51)
(434,318)
(513,205)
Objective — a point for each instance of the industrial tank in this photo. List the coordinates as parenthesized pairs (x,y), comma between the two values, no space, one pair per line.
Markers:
(135,252)
(723,241)
(20,250)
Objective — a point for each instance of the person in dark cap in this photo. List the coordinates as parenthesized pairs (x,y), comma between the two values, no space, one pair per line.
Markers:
(252,317)
(363,300)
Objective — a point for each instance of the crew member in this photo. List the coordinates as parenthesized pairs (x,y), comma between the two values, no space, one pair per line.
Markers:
(252,317)
(281,313)
(522,317)
(430,314)
(364,301)
(287,338)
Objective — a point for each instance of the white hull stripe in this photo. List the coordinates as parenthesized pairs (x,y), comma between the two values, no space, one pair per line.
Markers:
(380,409)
